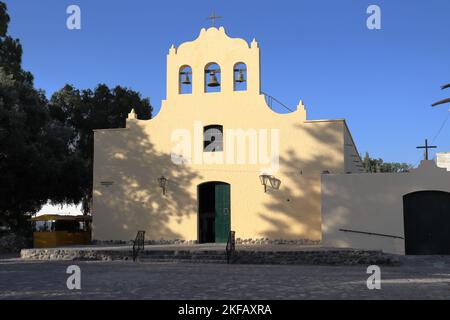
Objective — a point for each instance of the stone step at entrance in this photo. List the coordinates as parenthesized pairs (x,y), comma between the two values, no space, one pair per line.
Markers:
(183,256)
(199,261)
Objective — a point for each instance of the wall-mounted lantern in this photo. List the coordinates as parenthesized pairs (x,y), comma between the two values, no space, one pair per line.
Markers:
(162,183)
(275,183)
(267,179)
(264,178)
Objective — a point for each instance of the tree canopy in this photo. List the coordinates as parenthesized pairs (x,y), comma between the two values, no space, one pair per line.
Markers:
(46,147)
(86,110)
(378,165)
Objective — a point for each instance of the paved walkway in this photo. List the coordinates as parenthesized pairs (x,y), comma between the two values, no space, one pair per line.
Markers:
(418,278)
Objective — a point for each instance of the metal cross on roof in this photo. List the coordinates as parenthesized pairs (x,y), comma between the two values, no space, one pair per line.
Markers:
(213,18)
(426,147)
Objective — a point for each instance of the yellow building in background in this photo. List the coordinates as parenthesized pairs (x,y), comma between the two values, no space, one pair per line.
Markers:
(217,157)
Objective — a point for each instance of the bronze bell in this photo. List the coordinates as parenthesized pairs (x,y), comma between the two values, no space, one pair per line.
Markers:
(240,77)
(186,79)
(213,80)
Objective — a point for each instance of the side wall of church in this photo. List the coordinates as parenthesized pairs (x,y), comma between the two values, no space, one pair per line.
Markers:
(373,203)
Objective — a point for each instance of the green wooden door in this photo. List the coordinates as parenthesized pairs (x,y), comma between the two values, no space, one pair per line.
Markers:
(223,212)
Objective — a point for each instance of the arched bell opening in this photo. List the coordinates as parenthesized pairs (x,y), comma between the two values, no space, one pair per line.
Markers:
(212,78)
(184,80)
(240,77)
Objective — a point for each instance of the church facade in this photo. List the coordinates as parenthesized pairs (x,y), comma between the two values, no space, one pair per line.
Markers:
(216,157)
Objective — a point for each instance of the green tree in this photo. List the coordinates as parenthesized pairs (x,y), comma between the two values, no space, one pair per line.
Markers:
(378,165)
(4,20)
(11,51)
(33,146)
(86,110)
(46,148)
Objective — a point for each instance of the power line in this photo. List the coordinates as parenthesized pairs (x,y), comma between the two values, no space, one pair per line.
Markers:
(442,127)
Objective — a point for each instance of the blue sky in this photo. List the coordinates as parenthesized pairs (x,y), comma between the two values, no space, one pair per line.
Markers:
(381,81)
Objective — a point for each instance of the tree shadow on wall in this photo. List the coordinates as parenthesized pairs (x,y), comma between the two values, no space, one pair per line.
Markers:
(294,211)
(135,200)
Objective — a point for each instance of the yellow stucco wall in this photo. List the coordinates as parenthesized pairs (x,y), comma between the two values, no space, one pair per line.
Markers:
(127,162)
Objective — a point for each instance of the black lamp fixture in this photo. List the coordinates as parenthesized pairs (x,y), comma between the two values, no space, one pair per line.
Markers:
(162,183)
(274,182)
(264,178)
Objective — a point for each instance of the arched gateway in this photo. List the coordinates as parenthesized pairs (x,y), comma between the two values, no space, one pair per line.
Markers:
(214,212)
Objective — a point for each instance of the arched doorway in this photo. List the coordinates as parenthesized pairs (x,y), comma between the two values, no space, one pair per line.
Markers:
(214,212)
(426,217)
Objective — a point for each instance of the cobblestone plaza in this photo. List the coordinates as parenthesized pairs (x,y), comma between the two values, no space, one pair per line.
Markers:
(416,278)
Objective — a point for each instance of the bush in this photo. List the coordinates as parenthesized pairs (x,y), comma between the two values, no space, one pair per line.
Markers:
(13,243)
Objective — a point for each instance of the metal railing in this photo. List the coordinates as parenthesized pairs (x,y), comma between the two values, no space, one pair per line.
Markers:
(231,245)
(138,244)
(372,233)
(270,100)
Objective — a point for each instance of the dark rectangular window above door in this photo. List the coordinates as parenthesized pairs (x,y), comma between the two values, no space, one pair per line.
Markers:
(213,138)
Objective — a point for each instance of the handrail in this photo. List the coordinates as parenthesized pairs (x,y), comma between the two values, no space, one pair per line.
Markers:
(231,245)
(372,233)
(270,99)
(138,244)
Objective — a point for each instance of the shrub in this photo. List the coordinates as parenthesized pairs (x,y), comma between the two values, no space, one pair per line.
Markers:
(13,243)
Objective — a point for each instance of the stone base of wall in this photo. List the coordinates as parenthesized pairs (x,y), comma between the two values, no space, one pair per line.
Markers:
(74,254)
(262,241)
(248,241)
(299,257)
